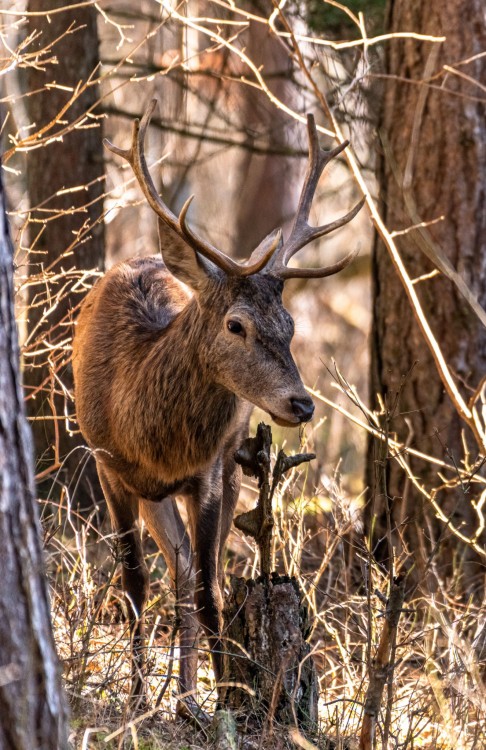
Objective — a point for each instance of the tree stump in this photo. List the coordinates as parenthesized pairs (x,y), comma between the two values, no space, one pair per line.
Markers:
(269,673)
(268,663)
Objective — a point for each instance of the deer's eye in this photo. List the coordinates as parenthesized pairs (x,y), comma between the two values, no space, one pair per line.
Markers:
(234,326)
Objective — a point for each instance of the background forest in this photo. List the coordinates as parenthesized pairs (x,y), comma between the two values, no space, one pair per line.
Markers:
(393,349)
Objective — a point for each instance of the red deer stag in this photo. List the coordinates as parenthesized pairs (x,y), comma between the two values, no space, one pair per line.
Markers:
(165,382)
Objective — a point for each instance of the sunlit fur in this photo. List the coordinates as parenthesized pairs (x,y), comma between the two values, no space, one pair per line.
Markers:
(160,379)
(164,392)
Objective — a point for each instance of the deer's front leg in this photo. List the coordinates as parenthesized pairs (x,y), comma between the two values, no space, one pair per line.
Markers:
(205,519)
(123,508)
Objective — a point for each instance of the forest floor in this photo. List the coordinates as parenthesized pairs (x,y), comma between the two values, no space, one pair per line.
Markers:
(435,697)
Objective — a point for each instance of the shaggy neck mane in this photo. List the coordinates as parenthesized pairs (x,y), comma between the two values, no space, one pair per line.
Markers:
(178,366)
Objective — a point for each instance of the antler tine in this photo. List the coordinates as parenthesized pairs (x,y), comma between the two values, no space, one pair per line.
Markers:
(135,156)
(285,272)
(301,233)
(317,273)
(318,159)
(136,159)
(236,269)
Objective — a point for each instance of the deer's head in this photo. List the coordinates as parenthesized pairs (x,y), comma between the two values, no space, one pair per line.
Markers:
(246,331)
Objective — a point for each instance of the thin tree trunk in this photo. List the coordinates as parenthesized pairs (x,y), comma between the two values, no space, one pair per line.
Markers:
(433,170)
(32,711)
(74,161)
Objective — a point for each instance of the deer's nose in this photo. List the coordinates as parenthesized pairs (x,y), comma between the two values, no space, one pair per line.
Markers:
(303,408)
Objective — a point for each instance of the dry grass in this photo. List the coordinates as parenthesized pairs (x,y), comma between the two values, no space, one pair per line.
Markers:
(436,696)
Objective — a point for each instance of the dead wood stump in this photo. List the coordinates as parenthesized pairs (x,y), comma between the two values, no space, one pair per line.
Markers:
(269,673)
(268,662)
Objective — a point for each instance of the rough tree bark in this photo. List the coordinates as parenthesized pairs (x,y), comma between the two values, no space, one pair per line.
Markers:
(433,165)
(269,672)
(75,160)
(32,711)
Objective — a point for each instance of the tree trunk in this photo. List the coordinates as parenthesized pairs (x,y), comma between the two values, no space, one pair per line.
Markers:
(32,711)
(265,198)
(74,222)
(268,666)
(433,165)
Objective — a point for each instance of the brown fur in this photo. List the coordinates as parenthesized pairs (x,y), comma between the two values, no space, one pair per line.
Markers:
(165,380)
(164,393)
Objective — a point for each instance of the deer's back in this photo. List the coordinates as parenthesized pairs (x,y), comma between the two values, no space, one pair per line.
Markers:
(120,322)
(123,314)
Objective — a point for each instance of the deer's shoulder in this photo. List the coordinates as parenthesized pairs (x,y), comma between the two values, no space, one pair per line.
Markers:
(143,293)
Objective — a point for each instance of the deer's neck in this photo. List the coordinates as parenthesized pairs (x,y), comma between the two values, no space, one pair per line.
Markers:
(192,409)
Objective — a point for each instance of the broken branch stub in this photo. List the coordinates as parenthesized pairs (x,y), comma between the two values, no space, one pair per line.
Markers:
(269,673)
(255,460)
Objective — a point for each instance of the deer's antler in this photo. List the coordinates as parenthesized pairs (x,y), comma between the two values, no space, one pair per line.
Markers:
(301,232)
(135,156)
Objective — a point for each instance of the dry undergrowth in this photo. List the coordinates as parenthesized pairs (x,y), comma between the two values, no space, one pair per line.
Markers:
(435,697)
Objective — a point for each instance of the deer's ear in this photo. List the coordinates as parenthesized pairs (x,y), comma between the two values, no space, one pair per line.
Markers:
(182,261)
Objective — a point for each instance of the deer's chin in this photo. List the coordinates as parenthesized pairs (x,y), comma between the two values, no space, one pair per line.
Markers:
(283,422)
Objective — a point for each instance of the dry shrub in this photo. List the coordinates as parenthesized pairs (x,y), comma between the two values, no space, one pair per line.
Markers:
(435,696)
